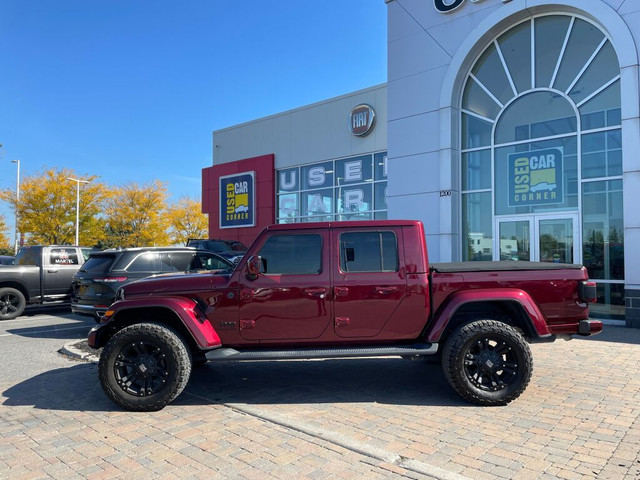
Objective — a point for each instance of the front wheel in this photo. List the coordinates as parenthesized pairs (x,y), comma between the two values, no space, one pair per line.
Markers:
(144,366)
(12,303)
(487,362)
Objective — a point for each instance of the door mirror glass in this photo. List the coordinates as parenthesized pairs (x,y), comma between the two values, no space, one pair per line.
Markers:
(254,266)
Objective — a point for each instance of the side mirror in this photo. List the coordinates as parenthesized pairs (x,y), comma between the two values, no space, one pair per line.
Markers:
(254,264)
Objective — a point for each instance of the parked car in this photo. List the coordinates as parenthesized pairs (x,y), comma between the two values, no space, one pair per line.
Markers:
(94,286)
(342,289)
(41,274)
(232,250)
(6,260)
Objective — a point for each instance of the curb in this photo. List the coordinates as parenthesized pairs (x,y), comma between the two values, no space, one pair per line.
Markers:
(361,448)
(72,350)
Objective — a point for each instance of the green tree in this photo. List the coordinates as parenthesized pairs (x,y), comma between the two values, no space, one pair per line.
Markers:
(136,216)
(186,220)
(47,207)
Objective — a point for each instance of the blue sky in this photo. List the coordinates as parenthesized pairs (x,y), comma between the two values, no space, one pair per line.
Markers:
(131,90)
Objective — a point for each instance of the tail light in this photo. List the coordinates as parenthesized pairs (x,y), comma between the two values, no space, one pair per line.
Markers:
(110,279)
(587,291)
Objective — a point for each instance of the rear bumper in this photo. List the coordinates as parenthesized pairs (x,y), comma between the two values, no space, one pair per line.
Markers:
(589,327)
(89,310)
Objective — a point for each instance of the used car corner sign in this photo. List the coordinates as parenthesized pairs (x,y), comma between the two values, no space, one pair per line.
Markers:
(237,200)
(361,119)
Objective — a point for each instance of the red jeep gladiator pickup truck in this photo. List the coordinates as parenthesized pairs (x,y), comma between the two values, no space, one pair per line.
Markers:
(341,289)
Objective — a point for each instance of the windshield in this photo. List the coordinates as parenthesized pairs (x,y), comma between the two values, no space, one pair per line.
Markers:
(98,263)
(216,246)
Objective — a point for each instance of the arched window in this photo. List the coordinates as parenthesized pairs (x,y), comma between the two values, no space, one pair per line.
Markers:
(541,154)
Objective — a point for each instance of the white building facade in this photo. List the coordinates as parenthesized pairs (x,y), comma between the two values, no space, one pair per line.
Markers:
(513,133)
(510,128)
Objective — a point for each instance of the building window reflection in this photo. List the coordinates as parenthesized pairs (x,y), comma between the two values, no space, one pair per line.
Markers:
(352,188)
(548,84)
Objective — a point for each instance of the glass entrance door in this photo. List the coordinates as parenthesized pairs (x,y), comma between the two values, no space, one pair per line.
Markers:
(539,238)
(515,237)
(555,240)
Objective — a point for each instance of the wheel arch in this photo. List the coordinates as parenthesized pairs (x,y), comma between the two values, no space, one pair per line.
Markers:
(161,315)
(511,306)
(180,314)
(17,286)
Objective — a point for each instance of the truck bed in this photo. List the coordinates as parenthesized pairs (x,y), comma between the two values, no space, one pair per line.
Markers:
(454,267)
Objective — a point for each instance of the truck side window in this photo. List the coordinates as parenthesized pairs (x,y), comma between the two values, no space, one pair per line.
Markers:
(63,256)
(368,252)
(27,256)
(292,254)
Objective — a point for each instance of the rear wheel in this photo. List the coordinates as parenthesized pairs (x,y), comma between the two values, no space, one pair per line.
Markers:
(144,366)
(12,303)
(487,362)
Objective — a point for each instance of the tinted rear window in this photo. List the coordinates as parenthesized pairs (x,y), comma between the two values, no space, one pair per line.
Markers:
(98,263)
(28,256)
(146,262)
(368,252)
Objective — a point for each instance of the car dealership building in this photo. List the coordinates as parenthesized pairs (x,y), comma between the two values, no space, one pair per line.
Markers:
(510,128)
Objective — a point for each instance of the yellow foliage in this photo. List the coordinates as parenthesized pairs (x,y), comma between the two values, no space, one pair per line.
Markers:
(47,209)
(4,238)
(186,220)
(129,216)
(135,216)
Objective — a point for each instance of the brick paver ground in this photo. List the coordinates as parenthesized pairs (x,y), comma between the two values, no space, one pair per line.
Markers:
(370,418)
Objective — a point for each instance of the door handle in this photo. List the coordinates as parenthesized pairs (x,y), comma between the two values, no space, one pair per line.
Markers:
(341,291)
(52,271)
(315,292)
(386,290)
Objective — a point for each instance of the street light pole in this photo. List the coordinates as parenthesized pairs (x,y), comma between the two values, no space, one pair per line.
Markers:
(78,182)
(17,162)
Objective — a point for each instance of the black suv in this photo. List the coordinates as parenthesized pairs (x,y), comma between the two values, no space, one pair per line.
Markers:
(232,250)
(94,286)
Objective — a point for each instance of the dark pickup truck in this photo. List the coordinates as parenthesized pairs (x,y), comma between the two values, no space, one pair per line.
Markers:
(342,289)
(39,275)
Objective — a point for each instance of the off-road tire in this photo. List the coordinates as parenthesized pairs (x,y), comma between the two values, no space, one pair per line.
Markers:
(12,303)
(144,366)
(487,362)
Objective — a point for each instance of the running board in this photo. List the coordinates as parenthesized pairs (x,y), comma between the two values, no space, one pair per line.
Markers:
(301,353)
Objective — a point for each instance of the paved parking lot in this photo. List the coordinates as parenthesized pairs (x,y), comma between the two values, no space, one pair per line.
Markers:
(382,418)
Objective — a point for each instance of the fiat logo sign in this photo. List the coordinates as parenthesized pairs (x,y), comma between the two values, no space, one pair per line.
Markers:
(361,120)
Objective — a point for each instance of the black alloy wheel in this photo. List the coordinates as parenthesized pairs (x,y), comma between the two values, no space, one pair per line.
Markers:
(12,303)
(487,362)
(144,366)
(141,369)
(491,364)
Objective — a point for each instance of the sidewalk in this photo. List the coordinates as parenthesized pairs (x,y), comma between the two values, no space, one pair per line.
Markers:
(369,418)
